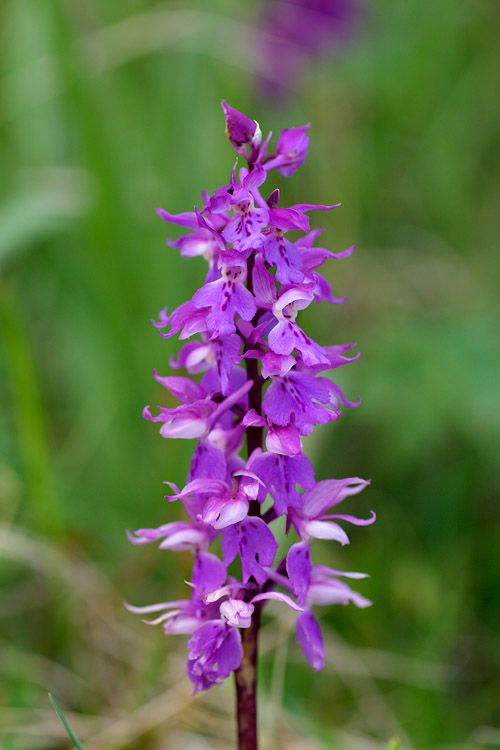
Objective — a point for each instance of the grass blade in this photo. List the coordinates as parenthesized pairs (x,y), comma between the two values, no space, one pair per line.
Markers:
(70,732)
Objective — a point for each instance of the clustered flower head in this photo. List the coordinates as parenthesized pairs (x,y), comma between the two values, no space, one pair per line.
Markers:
(253,373)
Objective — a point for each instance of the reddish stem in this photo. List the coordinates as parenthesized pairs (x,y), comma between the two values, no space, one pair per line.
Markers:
(246,674)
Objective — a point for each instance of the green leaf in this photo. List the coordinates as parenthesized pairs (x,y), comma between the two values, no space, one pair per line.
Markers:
(393,744)
(70,732)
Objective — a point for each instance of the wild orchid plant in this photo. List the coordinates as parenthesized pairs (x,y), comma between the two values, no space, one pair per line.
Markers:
(262,379)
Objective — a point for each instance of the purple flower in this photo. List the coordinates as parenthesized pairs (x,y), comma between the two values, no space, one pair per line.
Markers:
(310,640)
(214,652)
(185,318)
(177,535)
(284,441)
(298,31)
(194,419)
(287,258)
(286,336)
(254,542)
(281,474)
(226,298)
(312,521)
(291,150)
(325,588)
(215,648)
(250,375)
(298,398)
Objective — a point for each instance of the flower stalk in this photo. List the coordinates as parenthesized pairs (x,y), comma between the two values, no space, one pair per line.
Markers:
(246,674)
(246,686)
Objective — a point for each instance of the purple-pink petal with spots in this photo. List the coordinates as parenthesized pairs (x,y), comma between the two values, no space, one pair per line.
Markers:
(226,298)
(291,398)
(282,338)
(254,542)
(287,258)
(281,474)
(244,230)
(226,350)
(244,302)
(286,336)
(208,462)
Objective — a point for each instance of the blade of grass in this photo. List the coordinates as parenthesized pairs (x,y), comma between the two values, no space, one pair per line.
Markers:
(67,727)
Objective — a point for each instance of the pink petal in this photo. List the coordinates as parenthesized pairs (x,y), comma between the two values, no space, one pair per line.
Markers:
(326,530)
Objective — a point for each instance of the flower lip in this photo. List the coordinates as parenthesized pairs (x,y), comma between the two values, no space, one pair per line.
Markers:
(234,273)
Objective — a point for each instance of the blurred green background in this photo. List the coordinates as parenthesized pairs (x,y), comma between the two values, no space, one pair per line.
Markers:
(108,110)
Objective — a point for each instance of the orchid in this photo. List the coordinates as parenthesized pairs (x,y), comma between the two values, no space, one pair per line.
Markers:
(260,380)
